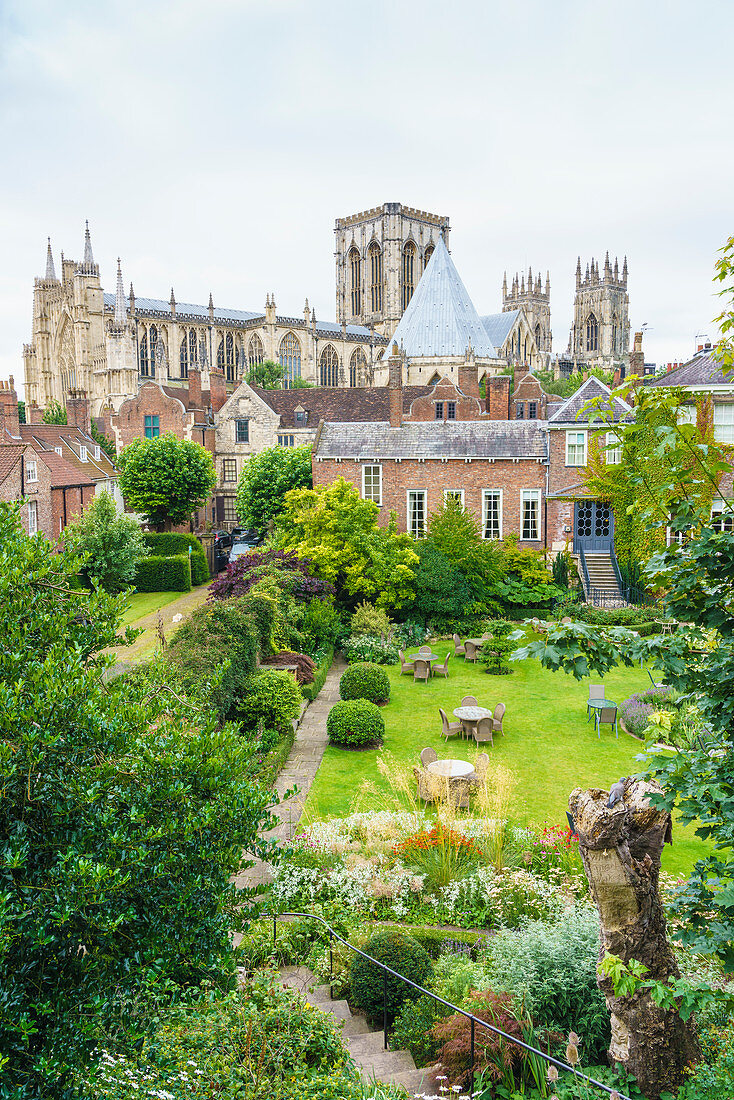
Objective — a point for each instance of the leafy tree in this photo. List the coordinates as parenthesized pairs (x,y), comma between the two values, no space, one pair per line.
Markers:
(166,478)
(442,595)
(338,531)
(455,533)
(266,478)
(21,412)
(566,387)
(249,569)
(299,383)
(111,544)
(267,375)
(123,820)
(55,413)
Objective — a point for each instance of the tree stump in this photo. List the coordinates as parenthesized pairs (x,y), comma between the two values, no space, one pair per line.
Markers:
(620,847)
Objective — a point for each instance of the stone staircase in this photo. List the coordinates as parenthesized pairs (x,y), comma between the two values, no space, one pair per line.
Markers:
(365,1046)
(603,580)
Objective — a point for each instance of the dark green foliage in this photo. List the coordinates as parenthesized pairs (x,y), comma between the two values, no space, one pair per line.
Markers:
(437,941)
(267,375)
(365,681)
(412,1029)
(403,955)
(21,412)
(166,479)
(495,653)
(455,533)
(442,594)
(211,636)
(124,816)
(355,722)
(154,574)
(271,697)
(322,626)
(55,413)
(111,543)
(560,569)
(265,479)
(168,544)
(310,691)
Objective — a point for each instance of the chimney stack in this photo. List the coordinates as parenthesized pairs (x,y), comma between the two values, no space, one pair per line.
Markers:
(469,375)
(9,422)
(395,387)
(217,389)
(637,357)
(78,410)
(194,387)
(498,396)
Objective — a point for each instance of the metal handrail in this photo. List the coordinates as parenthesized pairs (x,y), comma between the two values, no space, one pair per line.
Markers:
(618,576)
(454,1008)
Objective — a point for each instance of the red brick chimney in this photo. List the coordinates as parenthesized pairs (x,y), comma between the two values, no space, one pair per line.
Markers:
(77,410)
(498,396)
(395,388)
(469,375)
(9,423)
(33,414)
(217,389)
(637,357)
(194,388)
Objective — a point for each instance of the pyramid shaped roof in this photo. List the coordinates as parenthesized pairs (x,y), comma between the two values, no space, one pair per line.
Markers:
(441,319)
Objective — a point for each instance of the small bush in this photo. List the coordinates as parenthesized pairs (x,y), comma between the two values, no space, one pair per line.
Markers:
(368,619)
(495,653)
(273,698)
(156,574)
(496,1056)
(412,1029)
(371,647)
(310,691)
(168,544)
(305,666)
(322,626)
(365,681)
(403,955)
(409,634)
(355,722)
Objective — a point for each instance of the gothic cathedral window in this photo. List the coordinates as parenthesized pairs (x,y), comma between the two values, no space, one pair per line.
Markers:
(355,268)
(537,337)
(408,273)
(357,365)
(147,352)
(289,356)
(592,333)
(329,363)
(427,256)
(255,352)
(615,335)
(376,277)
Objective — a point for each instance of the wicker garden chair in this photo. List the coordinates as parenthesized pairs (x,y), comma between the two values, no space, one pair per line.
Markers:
(428,789)
(405,666)
(458,647)
(449,729)
(421,670)
(428,756)
(471,652)
(499,713)
(483,730)
(442,670)
(480,767)
(469,701)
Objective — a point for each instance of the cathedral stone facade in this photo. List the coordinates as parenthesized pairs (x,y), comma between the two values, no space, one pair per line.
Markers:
(534,302)
(601,327)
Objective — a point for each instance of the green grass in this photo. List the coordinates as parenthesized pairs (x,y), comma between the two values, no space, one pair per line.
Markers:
(141,604)
(548,745)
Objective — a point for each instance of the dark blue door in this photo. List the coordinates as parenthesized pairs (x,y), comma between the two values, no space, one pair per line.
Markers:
(593,527)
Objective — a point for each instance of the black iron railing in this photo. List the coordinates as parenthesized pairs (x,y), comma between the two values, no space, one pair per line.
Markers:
(474,1020)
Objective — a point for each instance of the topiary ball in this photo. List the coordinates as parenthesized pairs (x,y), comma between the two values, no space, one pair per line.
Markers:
(365,680)
(401,953)
(355,722)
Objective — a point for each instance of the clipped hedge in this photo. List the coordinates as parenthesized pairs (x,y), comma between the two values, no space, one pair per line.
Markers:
(273,698)
(364,680)
(355,722)
(169,544)
(310,691)
(402,954)
(158,574)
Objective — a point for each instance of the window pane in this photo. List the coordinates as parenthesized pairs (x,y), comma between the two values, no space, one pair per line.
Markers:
(530,509)
(439,410)
(417,513)
(372,483)
(519,410)
(230,510)
(229,469)
(451,412)
(724,423)
(243,431)
(492,514)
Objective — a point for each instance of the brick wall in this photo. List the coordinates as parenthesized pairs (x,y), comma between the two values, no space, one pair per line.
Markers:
(467,408)
(67,504)
(16,487)
(129,422)
(435,476)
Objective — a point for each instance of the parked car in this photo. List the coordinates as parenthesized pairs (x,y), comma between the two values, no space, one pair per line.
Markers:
(243,542)
(222,540)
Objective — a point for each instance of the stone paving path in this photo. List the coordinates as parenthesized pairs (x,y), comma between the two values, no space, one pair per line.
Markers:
(299,771)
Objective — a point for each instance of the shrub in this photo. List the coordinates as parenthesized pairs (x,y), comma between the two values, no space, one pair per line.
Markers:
(635,714)
(495,653)
(155,574)
(365,681)
(441,590)
(370,647)
(248,569)
(493,1054)
(403,955)
(304,665)
(412,1029)
(273,698)
(112,543)
(310,691)
(355,722)
(368,619)
(561,569)
(166,544)
(321,626)
(409,634)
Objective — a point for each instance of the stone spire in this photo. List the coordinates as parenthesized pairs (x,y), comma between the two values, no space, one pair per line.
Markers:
(50,270)
(547,279)
(172,304)
(132,300)
(578,273)
(624,272)
(88,257)
(504,285)
(120,319)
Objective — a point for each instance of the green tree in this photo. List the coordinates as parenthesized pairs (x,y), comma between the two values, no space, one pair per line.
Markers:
(21,412)
(267,375)
(123,819)
(455,533)
(339,533)
(266,478)
(166,478)
(110,543)
(55,413)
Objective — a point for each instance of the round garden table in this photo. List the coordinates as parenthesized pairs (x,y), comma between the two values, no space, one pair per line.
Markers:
(469,716)
(429,658)
(451,769)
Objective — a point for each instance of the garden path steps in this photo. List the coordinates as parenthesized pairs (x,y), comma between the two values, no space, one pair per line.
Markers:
(365,1046)
(298,771)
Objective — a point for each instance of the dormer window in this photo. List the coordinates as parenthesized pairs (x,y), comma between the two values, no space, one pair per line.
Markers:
(451,410)
(59,450)
(96,453)
(83,453)
(300,416)
(439,410)
(532,410)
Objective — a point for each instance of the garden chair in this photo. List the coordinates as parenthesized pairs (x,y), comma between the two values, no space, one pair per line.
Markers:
(480,768)
(421,670)
(405,666)
(460,792)
(424,649)
(442,670)
(428,756)
(458,647)
(483,730)
(449,729)
(428,790)
(499,713)
(607,716)
(469,701)
(596,691)
(471,652)
(654,683)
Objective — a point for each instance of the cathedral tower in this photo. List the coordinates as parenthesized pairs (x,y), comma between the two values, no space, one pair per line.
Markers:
(380,256)
(601,328)
(535,301)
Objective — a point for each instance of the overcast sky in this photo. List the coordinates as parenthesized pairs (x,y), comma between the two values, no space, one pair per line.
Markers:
(212,145)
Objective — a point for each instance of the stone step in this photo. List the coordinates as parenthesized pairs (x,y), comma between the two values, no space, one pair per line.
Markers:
(338,1009)
(355,1025)
(320,994)
(370,1042)
(412,1080)
(386,1066)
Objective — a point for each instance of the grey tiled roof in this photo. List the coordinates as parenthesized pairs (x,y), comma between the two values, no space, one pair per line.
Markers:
(441,318)
(346,404)
(188,309)
(702,370)
(476,439)
(572,410)
(499,325)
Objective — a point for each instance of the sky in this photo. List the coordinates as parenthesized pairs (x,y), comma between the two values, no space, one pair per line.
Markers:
(212,146)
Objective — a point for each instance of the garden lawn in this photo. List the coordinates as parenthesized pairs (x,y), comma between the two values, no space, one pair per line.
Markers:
(548,745)
(141,604)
